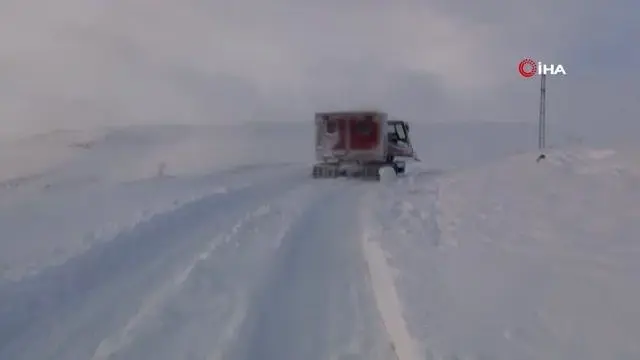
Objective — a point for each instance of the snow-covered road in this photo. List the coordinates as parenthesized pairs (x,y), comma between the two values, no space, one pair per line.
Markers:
(316,300)
(269,270)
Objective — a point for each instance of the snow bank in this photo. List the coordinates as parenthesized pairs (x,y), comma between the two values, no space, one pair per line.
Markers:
(579,199)
(64,191)
(518,259)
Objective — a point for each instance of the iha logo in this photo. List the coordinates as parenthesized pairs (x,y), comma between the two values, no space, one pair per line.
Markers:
(528,68)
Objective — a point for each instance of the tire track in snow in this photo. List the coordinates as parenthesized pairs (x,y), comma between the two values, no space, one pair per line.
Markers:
(125,335)
(265,220)
(297,208)
(44,229)
(65,311)
(315,301)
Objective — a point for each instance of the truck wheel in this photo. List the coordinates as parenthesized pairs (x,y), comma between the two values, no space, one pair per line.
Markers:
(399,168)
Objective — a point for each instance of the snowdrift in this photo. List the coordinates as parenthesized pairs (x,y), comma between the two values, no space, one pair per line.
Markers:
(520,260)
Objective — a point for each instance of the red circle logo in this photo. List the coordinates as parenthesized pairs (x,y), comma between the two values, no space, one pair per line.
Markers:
(527,68)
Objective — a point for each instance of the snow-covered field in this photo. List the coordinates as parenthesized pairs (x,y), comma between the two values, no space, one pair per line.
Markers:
(186,242)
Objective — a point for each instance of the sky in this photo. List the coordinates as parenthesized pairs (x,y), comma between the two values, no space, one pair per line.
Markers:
(87,63)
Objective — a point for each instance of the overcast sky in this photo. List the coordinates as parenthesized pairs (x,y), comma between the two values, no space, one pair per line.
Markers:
(70,63)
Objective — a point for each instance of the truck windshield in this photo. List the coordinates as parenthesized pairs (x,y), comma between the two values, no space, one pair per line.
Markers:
(400,131)
(397,130)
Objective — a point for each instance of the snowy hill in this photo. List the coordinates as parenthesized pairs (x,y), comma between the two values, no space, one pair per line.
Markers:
(518,260)
(191,242)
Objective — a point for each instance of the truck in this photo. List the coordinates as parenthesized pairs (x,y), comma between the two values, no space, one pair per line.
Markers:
(360,144)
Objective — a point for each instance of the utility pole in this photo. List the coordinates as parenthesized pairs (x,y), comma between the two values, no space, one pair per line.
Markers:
(542,121)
